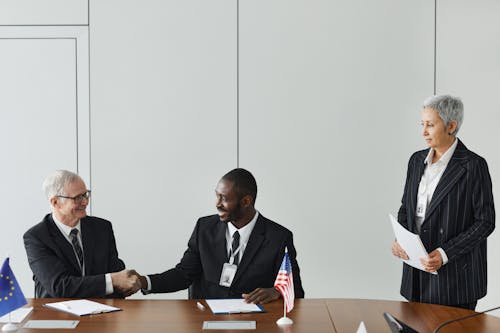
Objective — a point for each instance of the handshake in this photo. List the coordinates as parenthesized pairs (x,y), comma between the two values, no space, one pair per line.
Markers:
(128,282)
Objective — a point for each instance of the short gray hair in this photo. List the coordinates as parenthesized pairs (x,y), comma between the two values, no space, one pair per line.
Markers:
(448,107)
(54,184)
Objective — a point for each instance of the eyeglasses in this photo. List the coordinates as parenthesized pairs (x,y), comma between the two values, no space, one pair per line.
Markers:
(78,198)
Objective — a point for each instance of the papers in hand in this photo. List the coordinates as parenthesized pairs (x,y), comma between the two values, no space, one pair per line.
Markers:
(81,307)
(411,243)
(228,306)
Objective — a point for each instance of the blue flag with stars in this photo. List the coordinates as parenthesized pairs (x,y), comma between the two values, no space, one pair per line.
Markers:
(11,296)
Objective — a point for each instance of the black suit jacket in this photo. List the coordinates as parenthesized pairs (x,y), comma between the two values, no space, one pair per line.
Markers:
(201,266)
(55,268)
(459,217)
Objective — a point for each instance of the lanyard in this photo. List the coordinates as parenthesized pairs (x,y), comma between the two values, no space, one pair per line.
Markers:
(232,255)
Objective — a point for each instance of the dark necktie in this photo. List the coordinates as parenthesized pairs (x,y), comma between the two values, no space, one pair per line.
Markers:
(73,236)
(234,246)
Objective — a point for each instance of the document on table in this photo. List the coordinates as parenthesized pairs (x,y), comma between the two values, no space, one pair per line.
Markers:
(411,243)
(51,324)
(230,325)
(16,316)
(228,306)
(81,307)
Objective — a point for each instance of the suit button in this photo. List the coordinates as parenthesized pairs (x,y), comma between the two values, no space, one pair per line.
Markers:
(441,231)
(425,230)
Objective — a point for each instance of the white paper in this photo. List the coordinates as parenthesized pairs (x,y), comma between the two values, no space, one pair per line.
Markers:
(361,328)
(51,324)
(81,307)
(230,325)
(17,315)
(411,243)
(228,306)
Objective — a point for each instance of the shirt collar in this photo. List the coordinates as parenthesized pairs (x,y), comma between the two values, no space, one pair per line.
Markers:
(66,230)
(244,231)
(446,156)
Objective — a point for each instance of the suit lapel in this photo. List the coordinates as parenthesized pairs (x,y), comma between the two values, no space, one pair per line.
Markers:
(451,175)
(62,243)
(220,243)
(88,245)
(415,182)
(254,242)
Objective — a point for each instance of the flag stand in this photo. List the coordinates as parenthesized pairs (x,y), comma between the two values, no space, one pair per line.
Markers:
(10,326)
(284,321)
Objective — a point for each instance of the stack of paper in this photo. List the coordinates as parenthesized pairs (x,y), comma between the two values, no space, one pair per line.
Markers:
(81,307)
(411,243)
(228,306)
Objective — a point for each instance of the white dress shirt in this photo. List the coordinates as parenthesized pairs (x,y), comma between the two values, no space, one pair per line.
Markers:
(66,230)
(428,183)
(244,235)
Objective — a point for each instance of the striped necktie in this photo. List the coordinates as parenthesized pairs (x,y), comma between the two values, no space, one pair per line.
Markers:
(73,236)
(234,246)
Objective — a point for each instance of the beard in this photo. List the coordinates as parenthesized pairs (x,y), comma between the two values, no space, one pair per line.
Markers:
(233,215)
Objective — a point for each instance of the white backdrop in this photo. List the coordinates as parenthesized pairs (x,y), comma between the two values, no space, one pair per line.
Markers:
(319,99)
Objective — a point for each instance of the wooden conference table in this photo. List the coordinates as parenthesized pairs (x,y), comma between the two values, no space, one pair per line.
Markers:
(309,315)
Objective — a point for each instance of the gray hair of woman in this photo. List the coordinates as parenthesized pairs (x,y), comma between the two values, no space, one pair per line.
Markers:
(449,108)
(54,184)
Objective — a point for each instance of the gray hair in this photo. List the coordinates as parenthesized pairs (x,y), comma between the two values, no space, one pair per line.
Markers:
(54,184)
(449,108)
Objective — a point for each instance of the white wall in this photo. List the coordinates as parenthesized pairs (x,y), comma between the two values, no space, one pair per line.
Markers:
(325,90)
(468,65)
(43,125)
(163,120)
(328,103)
(46,12)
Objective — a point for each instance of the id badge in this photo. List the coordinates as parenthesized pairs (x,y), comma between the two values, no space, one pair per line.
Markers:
(227,275)
(421,207)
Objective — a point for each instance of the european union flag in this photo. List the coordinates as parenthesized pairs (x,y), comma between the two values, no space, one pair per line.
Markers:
(11,296)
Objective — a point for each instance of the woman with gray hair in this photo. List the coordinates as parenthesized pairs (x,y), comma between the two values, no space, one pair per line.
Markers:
(448,201)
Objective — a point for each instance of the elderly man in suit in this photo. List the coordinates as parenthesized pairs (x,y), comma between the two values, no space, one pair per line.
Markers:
(72,254)
(448,201)
(236,253)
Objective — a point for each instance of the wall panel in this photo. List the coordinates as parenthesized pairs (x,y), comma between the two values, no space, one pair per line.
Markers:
(163,120)
(43,126)
(45,12)
(330,97)
(468,50)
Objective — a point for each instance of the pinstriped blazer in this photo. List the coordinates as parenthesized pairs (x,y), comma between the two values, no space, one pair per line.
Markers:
(459,218)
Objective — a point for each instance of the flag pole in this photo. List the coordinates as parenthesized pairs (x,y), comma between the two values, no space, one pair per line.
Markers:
(284,321)
(10,326)
(287,271)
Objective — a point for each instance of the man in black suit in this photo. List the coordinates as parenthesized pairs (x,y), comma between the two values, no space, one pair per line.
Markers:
(236,253)
(72,254)
(448,201)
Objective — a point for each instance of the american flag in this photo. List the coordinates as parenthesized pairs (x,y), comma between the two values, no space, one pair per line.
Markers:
(284,282)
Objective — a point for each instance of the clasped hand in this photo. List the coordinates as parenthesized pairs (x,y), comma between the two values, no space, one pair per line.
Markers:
(431,264)
(126,282)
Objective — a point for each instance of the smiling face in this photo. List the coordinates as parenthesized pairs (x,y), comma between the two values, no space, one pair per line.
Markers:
(227,202)
(70,211)
(436,134)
